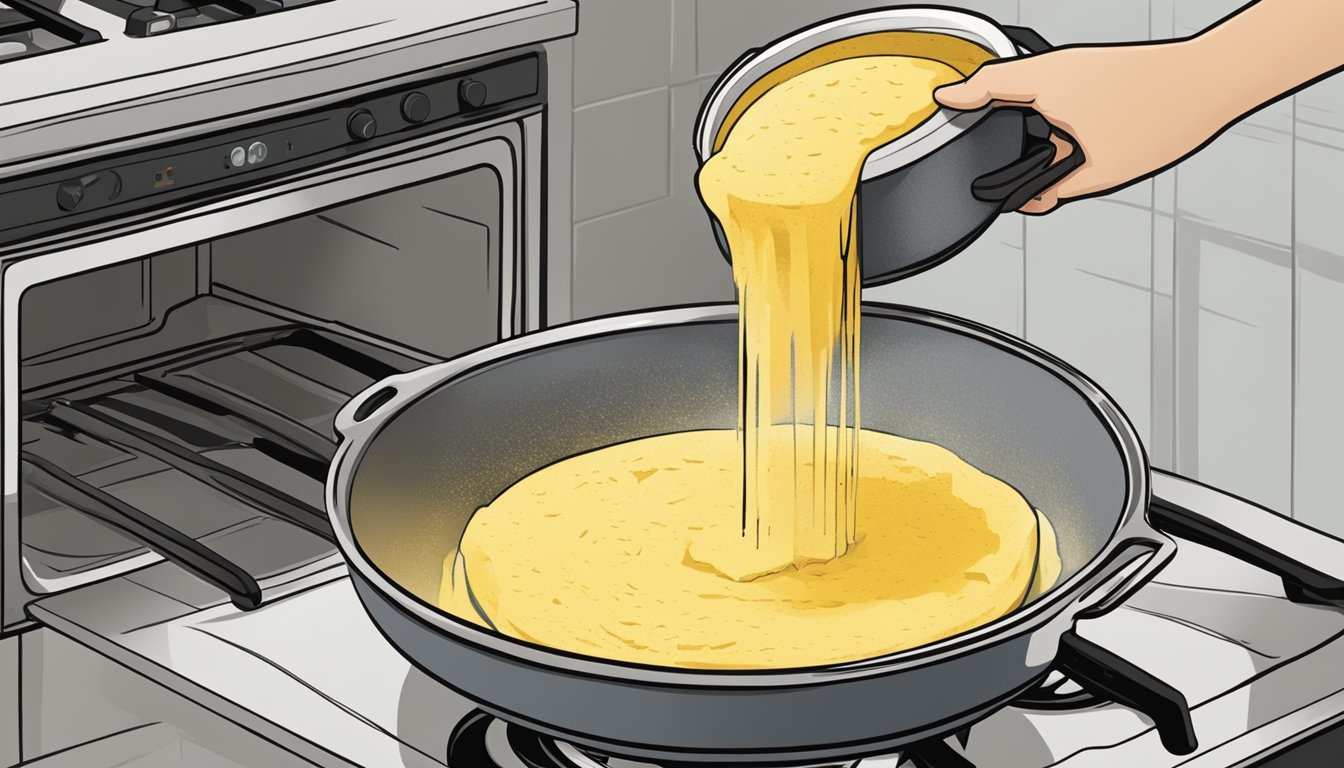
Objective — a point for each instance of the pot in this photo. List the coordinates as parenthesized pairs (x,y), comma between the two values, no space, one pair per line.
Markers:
(926,196)
(422,451)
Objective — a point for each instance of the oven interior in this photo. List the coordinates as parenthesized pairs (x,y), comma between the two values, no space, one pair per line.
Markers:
(186,398)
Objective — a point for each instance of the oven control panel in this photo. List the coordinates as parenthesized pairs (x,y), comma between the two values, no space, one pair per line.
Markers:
(242,158)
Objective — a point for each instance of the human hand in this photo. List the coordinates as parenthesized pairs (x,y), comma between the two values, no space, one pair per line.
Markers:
(1134,110)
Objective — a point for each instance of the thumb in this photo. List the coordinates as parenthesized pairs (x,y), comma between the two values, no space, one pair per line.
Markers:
(990,83)
(968,94)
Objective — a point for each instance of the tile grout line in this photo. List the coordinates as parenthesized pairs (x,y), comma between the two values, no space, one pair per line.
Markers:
(573,187)
(1293,319)
(619,97)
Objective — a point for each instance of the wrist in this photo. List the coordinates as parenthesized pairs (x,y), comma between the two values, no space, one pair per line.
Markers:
(1209,76)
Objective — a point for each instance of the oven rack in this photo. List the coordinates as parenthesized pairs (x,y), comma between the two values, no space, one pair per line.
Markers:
(243,422)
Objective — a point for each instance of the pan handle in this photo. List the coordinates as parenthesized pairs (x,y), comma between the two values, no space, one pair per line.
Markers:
(1311,563)
(366,410)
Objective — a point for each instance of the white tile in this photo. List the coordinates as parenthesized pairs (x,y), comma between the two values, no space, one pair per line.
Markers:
(1088,297)
(686,101)
(1068,21)
(1161,436)
(1164,255)
(1322,105)
(725,29)
(1162,19)
(1193,16)
(1164,192)
(623,46)
(1244,369)
(1138,194)
(657,255)
(9,701)
(1241,183)
(982,283)
(683,41)
(620,153)
(1319,197)
(1110,239)
(1318,440)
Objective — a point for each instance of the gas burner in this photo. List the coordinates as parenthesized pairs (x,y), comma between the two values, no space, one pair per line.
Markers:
(480,740)
(1085,675)
(29,28)
(146,18)
(1057,692)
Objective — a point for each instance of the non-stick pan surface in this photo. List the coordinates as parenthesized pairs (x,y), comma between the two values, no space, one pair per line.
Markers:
(422,451)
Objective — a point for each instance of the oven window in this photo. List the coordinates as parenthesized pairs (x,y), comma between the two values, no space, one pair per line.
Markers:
(193,391)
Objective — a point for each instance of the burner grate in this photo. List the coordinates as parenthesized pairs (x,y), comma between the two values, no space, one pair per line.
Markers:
(469,746)
(149,18)
(28,28)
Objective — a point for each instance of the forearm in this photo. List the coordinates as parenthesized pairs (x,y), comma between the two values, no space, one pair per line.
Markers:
(1269,49)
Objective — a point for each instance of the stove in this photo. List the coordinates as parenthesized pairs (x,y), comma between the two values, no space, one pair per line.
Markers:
(201,416)
(1259,671)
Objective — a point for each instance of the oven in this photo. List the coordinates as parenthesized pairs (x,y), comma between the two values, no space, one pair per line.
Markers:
(182,320)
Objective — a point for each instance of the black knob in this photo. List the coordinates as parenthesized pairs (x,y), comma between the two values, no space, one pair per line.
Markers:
(69,195)
(100,187)
(471,92)
(362,125)
(415,107)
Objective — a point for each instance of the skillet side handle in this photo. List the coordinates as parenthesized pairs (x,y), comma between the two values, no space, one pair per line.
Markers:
(366,410)
(1311,563)
(1129,567)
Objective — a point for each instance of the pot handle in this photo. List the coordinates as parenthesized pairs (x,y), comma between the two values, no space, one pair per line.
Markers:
(1311,563)
(1011,186)
(1014,184)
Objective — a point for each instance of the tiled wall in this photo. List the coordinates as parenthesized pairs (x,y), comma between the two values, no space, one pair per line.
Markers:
(1208,301)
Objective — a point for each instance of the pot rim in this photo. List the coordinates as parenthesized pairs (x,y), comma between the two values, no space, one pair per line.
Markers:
(357,435)
(940,128)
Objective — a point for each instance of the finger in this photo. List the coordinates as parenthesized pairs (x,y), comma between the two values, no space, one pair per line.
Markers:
(1050,199)
(1045,203)
(992,82)
(1076,183)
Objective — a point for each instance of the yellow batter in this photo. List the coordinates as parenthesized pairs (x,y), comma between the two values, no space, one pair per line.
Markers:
(783,187)
(599,554)
(775,545)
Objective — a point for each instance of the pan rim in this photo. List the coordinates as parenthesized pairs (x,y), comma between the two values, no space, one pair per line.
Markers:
(1052,606)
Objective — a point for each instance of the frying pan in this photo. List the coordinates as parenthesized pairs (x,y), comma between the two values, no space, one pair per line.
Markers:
(422,451)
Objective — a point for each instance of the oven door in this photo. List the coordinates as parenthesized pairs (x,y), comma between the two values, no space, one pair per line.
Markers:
(187,367)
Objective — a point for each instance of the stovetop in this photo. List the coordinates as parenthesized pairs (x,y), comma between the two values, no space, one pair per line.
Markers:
(311,672)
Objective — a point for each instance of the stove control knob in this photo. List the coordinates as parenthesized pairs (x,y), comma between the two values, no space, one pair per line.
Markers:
(415,107)
(472,93)
(362,125)
(100,187)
